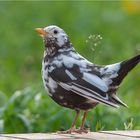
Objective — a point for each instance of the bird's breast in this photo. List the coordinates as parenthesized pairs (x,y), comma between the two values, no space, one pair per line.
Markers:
(49,84)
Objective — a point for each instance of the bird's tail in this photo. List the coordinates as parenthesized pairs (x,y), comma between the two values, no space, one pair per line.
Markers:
(126,66)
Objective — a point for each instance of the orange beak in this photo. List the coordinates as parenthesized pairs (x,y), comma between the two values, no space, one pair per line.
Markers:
(41,32)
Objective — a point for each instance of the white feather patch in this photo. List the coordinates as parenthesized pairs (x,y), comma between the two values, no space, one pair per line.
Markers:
(109,72)
(95,80)
(70,75)
(69,61)
(52,84)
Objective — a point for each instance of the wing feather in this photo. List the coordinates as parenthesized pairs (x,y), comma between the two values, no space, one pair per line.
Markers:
(85,86)
(87,93)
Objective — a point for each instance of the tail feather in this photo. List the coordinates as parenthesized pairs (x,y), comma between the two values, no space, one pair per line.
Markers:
(118,101)
(126,66)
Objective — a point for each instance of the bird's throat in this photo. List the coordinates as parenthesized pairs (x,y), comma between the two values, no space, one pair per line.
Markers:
(50,51)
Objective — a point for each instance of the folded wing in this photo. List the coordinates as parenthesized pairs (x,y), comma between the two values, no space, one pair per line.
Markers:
(85,84)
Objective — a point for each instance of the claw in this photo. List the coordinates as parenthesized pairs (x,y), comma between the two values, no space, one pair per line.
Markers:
(82,130)
(74,130)
(69,131)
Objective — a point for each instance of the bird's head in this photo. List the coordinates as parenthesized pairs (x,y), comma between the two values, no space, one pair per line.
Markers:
(53,36)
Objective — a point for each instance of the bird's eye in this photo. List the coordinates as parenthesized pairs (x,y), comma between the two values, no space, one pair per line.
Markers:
(55,31)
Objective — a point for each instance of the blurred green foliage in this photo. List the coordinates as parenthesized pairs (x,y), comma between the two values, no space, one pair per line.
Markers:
(24,104)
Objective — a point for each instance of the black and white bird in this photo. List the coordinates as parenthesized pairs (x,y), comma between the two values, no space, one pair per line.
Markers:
(74,82)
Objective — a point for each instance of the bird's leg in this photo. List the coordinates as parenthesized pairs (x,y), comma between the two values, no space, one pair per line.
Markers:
(83,120)
(74,122)
(82,128)
(73,128)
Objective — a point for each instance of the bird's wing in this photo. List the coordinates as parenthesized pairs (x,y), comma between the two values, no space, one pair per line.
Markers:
(86,84)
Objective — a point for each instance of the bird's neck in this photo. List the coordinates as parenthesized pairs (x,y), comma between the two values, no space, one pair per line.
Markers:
(52,51)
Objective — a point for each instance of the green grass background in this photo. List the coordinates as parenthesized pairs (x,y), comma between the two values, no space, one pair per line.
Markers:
(24,104)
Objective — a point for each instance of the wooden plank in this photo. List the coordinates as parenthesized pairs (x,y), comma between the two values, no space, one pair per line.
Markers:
(104,135)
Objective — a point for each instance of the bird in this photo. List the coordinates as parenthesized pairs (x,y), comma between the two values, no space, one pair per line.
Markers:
(76,83)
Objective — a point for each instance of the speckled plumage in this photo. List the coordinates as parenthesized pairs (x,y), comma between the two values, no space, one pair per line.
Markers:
(74,82)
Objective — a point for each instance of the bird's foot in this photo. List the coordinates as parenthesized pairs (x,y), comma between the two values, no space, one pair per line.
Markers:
(82,130)
(69,131)
(74,130)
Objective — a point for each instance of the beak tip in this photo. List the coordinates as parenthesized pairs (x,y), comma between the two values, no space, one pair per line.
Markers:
(38,29)
(41,31)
